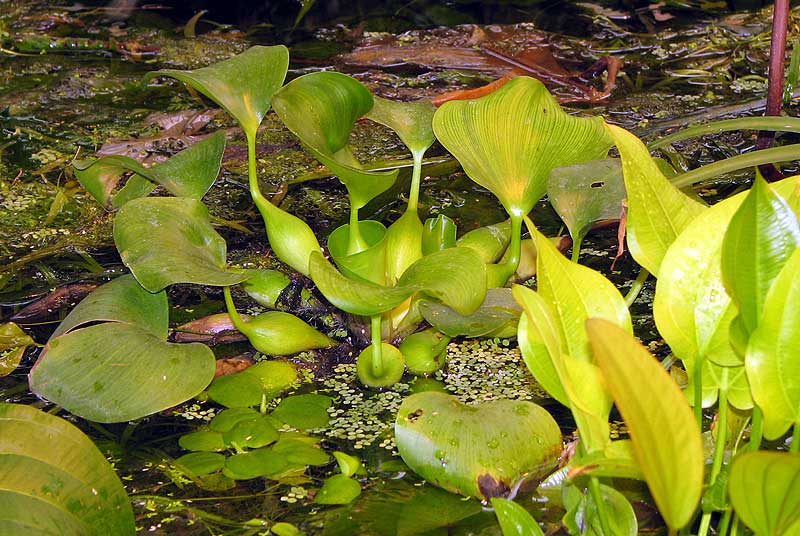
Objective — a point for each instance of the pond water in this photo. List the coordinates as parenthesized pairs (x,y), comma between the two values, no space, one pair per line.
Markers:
(70,86)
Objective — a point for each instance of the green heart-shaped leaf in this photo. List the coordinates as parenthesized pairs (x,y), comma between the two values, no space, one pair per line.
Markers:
(773,353)
(657,211)
(479,451)
(167,240)
(201,463)
(13,342)
(664,433)
(255,432)
(304,411)
(243,85)
(202,441)
(55,480)
(338,489)
(765,491)
(255,463)
(510,140)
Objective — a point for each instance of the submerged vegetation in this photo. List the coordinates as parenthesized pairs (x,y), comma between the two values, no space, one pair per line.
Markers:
(704,442)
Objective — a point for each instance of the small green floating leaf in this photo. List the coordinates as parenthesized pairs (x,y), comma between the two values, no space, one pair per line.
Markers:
(243,85)
(515,520)
(304,411)
(772,359)
(227,419)
(55,480)
(300,451)
(255,463)
(168,240)
(664,434)
(764,488)
(201,463)
(392,366)
(253,433)
(202,441)
(657,211)
(338,489)
(510,140)
(236,390)
(478,451)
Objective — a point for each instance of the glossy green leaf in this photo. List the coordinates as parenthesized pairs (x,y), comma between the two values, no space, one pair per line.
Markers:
(762,235)
(265,286)
(510,140)
(438,233)
(116,372)
(121,300)
(425,351)
(287,529)
(202,441)
(236,390)
(369,263)
(300,451)
(13,342)
(304,411)
(616,460)
(338,489)
(657,211)
(355,297)
(255,463)
(488,242)
(582,515)
(168,240)
(515,520)
(321,108)
(455,276)
(664,434)
(243,85)
(348,465)
(228,418)
(412,121)
(201,463)
(764,488)
(498,310)
(585,193)
(280,333)
(55,480)
(275,376)
(403,245)
(773,353)
(253,433)
(480,450)
(290,238)
(189,173)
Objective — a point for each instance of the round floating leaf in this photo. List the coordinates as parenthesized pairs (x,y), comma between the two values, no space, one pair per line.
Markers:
(514,519)
(765,491)
(236,390)
(251,433)
(55,480)
(338,489)
(255,463)
(202,441)
(201,463)
(265,286)
(356,297)
(243,85)
(304,411)
(228,418)
(300,452)
(136,375)
(664,434)
(510,140)
(479,451)
(773,353)
(167,240)
(275,376)
(657,211)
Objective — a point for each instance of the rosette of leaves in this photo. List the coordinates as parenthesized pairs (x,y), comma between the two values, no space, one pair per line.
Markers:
(510,140)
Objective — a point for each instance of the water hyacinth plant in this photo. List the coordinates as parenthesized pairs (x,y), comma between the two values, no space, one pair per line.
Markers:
(728,314)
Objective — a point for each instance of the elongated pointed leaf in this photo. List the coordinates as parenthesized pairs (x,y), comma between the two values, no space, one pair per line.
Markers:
(455,276)
(510,140)
(657,211)
(773,353)
(665,437)
(243,85)
(403,245)
(412,121)
(116,372)
(356,297)
(765,491)
(122,300)
(321,108)
(167,240)
(761,237)
(514,519)
(55,480)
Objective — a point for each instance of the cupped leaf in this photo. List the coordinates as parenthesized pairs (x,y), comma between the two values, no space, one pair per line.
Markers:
(515,520)
(585,193)
(348,465)
(338,489)
(438,233)
(498,311)
(167,240)
(764,488)
(510,140)
(55,480)
(455,276)
(762,235)
(117,372)
(773,353)
(304,411)
(243,85)
(390,370)
(657,211)
(121,300)
(479,451)
(664,434)
(368,264)
(321,108)
(412,121)
(355,297)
